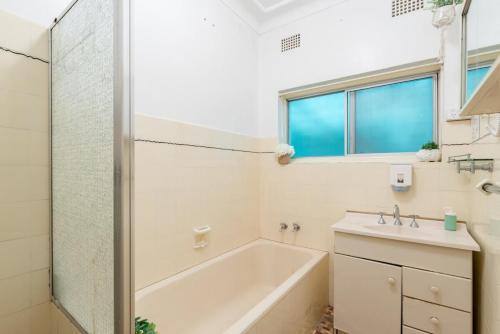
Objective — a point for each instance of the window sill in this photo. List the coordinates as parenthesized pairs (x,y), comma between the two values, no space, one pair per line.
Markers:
(405,158)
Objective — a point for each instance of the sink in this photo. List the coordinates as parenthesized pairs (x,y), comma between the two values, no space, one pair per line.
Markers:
(398,230)
(430,232)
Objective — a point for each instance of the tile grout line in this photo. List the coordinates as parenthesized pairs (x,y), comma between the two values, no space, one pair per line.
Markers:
(201,146)
(23,54)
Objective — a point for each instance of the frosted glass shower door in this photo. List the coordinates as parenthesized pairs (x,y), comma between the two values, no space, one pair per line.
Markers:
(90,124)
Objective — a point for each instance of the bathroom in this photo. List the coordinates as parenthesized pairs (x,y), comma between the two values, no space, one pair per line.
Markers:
(249,166)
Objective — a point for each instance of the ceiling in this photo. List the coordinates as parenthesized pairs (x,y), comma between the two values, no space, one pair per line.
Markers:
(42,12)
(264,15)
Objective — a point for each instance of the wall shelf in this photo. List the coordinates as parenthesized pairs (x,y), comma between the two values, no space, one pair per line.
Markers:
(465,163)
(486,98)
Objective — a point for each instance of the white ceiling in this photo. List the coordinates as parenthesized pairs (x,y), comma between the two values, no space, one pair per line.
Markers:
(264,15)
(42,12)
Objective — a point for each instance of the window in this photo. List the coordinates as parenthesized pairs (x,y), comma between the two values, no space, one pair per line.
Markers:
(474,78)
(393,117)
(317,124)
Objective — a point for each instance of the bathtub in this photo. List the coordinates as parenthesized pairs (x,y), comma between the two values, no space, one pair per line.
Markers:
(262,287)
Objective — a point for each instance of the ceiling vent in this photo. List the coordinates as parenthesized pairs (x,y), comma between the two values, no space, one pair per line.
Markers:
(290,43)
(401,7)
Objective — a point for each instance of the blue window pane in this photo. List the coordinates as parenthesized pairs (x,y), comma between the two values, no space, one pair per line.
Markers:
(394,118)
(474,78)
(316,125)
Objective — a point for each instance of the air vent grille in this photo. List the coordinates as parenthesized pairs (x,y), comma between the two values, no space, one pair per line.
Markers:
(401,7)
(290,43)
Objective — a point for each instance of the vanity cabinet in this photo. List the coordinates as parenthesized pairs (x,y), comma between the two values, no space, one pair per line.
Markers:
(370,291)
(384,286)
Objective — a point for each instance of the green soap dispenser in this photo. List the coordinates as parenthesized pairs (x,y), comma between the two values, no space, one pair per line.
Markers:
(450,219)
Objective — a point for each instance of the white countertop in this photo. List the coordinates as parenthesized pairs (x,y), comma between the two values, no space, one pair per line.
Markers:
(430,232)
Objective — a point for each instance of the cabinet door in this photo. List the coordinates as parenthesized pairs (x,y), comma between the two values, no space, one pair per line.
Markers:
(367,296)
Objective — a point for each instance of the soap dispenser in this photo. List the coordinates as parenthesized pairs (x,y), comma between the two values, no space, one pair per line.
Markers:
(450,219)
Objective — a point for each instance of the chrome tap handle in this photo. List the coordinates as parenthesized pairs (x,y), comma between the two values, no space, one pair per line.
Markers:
(283,227)
(381,219)
(414,223)
(296,227)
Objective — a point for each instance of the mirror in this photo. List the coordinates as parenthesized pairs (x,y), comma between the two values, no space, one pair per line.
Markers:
(480,42)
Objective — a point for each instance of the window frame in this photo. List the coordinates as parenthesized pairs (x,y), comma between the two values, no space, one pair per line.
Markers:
(350,112)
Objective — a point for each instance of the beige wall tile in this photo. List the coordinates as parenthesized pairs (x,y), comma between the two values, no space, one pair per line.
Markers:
(22,256)
(23,147)
(24,178)
(24,183)
(23,36)
(17,291)
(24,111)
(15,257)
(18,323)
(23,75)
(179,188)
(24,219)
(40,293)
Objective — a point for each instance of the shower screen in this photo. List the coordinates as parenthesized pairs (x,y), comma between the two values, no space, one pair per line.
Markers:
(90,125)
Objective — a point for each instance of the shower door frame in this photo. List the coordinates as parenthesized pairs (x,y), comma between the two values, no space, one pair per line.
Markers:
(123,175)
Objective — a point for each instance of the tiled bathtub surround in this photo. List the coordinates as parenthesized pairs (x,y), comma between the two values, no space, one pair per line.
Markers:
(178,188)
(24,178)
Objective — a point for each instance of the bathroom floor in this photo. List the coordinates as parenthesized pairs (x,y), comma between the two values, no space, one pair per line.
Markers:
(325,325)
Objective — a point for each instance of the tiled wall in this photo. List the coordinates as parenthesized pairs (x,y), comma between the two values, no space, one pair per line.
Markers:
(485,221)
(316,194)
(181,187)
(24,178)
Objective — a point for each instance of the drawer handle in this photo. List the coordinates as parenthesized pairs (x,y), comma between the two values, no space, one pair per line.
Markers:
(434,320)
(434,289)
(391,280)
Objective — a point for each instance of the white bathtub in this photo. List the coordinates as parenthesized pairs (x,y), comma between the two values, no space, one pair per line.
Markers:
(262,287)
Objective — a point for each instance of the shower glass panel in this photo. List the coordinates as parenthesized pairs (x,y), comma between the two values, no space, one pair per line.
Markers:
(90,152)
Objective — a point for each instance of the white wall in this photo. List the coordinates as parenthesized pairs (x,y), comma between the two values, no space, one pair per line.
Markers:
(206,75)
(356,36)
(41,12)
(480,32)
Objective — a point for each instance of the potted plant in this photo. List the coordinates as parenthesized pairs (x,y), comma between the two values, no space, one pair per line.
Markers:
(143,326)
(429,152)
(444,11)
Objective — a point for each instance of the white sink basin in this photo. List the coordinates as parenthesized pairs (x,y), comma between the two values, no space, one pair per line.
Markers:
(430,232)
(397,230)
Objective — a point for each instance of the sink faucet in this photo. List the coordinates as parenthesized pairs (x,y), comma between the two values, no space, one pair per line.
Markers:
(396,216)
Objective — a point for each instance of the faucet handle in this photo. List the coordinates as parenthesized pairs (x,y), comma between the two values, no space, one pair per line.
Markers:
(414,223)
(283,227)
(381,219)
(296,227)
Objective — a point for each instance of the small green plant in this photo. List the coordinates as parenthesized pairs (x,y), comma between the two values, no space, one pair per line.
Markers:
(430,146)
(441,3)
(143,326)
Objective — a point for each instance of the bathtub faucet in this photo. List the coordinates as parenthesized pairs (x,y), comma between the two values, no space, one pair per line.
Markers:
(283,227)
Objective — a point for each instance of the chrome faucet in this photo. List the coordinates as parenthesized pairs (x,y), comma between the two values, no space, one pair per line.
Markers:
(283,227)
(414,223)
(396,216)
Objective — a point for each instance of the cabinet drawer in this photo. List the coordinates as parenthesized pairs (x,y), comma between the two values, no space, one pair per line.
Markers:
(433,318)
(440,289)
(408,330)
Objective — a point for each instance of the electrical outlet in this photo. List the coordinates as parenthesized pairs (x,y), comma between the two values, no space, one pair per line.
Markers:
(454,115)
(476,127)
